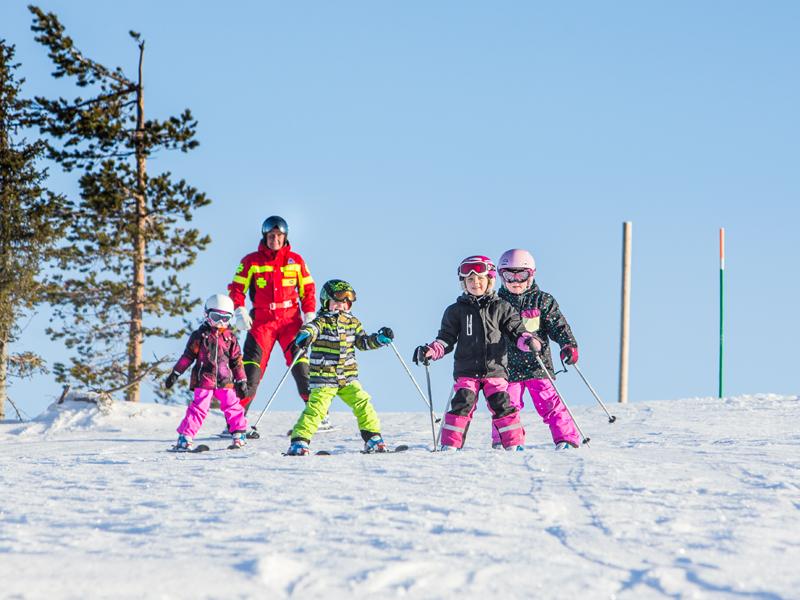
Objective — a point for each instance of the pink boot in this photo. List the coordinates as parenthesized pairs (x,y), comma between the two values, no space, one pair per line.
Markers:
(512,433)
(453,430)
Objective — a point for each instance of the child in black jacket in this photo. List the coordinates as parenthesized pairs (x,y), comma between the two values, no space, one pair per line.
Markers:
(475,325)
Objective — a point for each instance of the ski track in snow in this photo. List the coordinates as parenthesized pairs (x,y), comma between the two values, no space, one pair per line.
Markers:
(694,498)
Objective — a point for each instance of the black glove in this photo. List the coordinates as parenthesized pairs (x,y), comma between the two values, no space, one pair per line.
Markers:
(241,388)
(419,355)
(171,379)
(386,332)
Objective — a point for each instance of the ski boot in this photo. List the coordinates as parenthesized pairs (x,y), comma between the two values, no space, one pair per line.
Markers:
(515,448)
(184,444)
(444,448)
(562,445)
(497,445)
(375,444)
(238,440)
(298,448)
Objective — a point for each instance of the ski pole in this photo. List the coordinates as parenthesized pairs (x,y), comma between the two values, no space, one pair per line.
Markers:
(280,383)
(419,389)
(611,418)
(444,412)
(416,385)
(552,381)
(430,396)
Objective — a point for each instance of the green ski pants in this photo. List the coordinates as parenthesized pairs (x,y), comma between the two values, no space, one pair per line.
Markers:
(320,400)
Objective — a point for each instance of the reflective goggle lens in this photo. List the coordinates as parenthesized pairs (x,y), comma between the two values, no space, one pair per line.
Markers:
(345,296)
(479,268)
(219,317)
(512,276)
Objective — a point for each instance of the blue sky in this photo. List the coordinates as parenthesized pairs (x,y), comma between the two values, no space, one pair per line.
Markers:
(396,138)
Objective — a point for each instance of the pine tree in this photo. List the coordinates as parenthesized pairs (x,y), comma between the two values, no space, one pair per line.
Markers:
(31,224)
(129,238)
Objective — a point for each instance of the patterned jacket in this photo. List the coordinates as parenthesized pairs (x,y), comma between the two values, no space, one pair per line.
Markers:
(334,338)
(276,281)
(476,326)
(217,357)
(542,317)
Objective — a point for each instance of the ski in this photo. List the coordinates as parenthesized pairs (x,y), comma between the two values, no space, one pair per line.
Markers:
(400,448)
(197,449)
(250,435)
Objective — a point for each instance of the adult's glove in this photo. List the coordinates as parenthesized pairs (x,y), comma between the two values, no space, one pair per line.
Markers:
(171,379)
(569,354)
(385,335)
(243,319)
(308,317)
(241,388)
(302,340)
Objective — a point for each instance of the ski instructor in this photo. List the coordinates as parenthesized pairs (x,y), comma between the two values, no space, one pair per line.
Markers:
(283,297)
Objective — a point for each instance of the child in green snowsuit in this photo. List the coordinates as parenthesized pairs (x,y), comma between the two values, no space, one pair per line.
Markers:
(333,337)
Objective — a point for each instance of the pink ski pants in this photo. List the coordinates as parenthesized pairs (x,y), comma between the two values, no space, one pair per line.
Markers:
(549,407)
(505,417)
(197,411)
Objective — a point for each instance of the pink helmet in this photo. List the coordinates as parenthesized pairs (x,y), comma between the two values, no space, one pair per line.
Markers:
(482,265)
(517,259)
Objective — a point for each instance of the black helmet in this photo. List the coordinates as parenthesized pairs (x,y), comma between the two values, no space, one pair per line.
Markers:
(273,222)
(337,289)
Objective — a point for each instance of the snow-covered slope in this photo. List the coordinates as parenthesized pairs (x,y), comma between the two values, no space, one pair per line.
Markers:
(695,498)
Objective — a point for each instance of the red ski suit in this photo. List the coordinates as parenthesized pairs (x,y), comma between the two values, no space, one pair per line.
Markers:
(280,289)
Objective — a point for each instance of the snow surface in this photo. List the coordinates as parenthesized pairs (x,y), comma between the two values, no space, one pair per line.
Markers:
(695,498)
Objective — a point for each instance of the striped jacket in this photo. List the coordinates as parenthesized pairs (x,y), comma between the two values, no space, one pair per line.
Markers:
(334,339)
(276,281)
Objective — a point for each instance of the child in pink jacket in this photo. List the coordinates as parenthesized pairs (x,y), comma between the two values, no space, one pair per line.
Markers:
(218,373)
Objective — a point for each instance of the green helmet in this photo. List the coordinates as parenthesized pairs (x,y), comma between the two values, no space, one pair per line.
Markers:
(337,289)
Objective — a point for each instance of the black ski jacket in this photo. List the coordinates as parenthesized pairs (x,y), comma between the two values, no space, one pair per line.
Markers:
(476,327)
(542,317)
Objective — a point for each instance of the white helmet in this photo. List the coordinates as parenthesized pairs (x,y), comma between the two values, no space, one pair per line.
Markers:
(219,310)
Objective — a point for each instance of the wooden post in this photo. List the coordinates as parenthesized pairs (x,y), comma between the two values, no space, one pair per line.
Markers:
(626,309)
(721,302)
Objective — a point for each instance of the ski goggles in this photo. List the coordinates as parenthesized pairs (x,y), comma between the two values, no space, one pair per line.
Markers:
(479,268)
(520,276)
(344,296)
(218,317)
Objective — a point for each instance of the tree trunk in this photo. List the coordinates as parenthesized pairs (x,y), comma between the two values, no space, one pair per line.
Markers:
(139,245)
